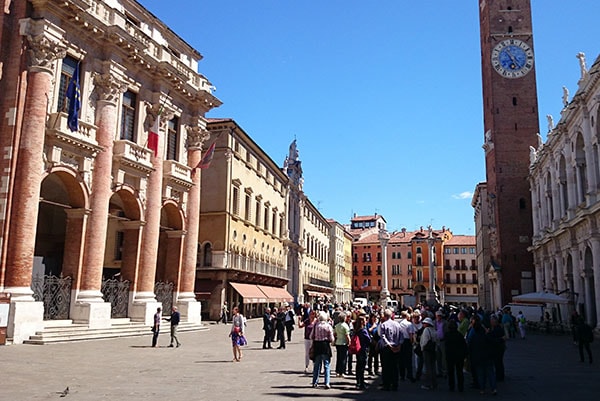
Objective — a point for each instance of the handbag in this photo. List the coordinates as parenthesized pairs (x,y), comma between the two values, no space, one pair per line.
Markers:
(311,351)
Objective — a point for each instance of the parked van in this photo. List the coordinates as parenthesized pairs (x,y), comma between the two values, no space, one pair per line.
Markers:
(360,302)
(393,305)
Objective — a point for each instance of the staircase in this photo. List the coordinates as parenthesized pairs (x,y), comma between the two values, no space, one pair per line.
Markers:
(61,331)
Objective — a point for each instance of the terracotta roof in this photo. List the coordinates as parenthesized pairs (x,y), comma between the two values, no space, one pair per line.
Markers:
(367,218)
(461,240)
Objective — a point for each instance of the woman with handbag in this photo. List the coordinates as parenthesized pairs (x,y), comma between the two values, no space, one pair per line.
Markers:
(237,334)
(322,336)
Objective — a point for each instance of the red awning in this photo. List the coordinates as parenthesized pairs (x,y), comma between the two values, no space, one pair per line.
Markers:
(250,292)
(276,294)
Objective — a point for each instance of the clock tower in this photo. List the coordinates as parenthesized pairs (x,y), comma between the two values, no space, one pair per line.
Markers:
(511,125)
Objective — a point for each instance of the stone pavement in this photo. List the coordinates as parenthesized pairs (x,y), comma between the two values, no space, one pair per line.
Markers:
(540,367)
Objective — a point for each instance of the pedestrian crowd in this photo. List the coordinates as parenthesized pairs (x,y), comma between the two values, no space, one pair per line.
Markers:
(422,344)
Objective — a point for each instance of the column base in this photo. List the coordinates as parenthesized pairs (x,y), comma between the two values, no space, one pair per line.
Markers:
(25,318)
(143,307)
(190,311)
(95,314)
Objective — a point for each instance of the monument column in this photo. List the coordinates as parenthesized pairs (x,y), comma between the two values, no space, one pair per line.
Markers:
(384,238)
(89,306)
(186,298)
(45,45)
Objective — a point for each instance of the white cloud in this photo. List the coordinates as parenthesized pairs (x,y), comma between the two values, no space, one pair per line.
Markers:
(463,195)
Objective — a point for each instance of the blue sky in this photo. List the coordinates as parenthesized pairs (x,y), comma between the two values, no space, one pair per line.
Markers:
(383,97)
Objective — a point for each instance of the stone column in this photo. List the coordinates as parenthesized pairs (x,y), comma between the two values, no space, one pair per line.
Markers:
(90,306)
(144,301)
(186,298)
(590,165)
(45,45)
(596,275)
(384,238)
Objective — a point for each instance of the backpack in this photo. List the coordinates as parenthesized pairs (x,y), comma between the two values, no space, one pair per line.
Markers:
(354,347)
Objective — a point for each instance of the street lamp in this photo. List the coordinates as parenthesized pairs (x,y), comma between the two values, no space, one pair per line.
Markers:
(432,296)
(384,238)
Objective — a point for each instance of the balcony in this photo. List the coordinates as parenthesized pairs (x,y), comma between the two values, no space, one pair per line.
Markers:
(132,156)
(177,174)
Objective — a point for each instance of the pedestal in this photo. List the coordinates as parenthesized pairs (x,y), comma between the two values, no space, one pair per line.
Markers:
(25,319)
(96,315)
(143,308)
(190,311)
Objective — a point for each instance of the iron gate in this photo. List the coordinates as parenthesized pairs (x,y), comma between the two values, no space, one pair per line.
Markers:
(164,294)
(55,293)
(116,292)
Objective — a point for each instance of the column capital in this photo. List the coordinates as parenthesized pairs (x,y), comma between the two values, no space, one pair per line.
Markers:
(196,136)
(152,112)
(46,43)
(110,83)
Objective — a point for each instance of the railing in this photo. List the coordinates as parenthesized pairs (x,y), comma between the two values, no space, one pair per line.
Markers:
(132,153)
(86,133)
(172,168)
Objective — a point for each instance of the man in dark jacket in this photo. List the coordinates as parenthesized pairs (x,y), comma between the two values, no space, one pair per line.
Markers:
(174,319)
(267,327)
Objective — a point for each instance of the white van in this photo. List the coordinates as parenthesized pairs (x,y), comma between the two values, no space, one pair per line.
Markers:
(393,305)
(360,302)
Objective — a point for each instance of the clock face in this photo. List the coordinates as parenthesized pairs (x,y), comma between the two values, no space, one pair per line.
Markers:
(512,58)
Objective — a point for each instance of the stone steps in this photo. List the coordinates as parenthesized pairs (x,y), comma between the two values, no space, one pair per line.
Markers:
(68,331)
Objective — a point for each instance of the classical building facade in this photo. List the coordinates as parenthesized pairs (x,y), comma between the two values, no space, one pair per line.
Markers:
(316,267)
(243,225)
(340,261)
(565,189)
(510,114)
(461,281)
(366,272)
(399,254)
(95,224)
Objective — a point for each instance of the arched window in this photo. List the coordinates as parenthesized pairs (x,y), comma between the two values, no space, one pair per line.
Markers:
(207,257)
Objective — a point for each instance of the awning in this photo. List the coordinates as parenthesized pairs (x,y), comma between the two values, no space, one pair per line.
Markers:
(276,294)
(314,293)
(250,292)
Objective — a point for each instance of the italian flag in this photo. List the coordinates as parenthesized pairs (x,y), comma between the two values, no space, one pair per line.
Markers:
(153,135)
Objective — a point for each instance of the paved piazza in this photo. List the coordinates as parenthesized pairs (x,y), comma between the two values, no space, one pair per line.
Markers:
(543,367)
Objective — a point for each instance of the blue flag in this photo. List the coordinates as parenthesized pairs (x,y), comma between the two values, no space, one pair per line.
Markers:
(74,96)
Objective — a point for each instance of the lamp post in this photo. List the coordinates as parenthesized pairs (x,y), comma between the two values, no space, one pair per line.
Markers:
(384,238)
(432,296)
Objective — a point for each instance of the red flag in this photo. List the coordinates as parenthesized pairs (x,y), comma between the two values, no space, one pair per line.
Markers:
(153,135)
(208,156)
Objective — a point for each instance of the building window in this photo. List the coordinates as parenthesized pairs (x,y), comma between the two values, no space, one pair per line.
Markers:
(128,116)
(455,251)
(463,251)
(257,217)
(66,73)
(266,217)
(247,206)
(274,222)
(172,138)
(474,290)
(235,200)
(419,249)
(448,290)
(409,255)
(207,257)
(472,251)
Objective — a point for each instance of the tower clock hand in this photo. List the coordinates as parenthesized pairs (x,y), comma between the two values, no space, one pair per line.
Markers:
(513,59)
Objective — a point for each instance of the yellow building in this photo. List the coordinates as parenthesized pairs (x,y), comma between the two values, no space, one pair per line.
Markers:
(242,255)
